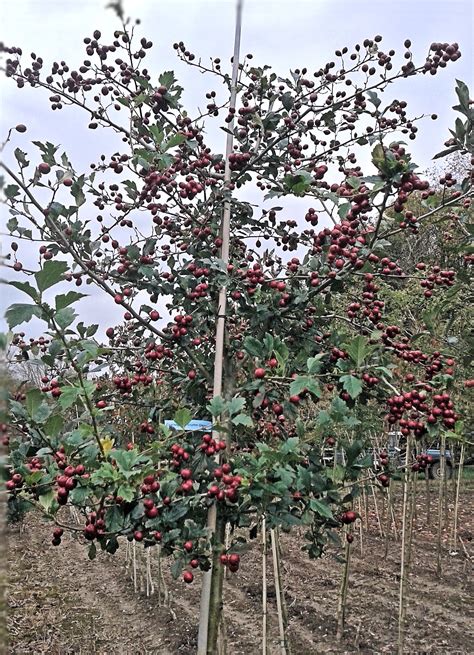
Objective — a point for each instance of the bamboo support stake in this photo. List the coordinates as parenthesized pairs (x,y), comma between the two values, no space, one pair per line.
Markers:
(361,531)
(389,520)
(341,605)
(207,592)
(428,497)
(394,519)
(441,489)
(159,574)
(365,497)
(411,518)
(134,564)
(376,509)
(227,546)
(279,591)
(402,589)
(264,586)
(456,500)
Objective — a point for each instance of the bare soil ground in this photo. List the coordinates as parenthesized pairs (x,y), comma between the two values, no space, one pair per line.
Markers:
(60,603)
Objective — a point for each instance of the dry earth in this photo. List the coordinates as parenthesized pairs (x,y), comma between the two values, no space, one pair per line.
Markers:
(60,603)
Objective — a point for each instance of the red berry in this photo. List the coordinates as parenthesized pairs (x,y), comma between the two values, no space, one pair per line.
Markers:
(188,577)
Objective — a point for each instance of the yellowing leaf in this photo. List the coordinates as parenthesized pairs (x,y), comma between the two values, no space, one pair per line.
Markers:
(107,444)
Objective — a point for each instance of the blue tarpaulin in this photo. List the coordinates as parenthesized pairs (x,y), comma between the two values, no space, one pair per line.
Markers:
(194,425)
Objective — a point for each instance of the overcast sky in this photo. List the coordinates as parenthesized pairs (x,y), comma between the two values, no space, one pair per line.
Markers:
(286,34)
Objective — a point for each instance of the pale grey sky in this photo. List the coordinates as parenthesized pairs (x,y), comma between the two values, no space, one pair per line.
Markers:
(285,33)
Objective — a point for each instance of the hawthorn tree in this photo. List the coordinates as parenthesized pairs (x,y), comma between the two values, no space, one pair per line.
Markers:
(269,326)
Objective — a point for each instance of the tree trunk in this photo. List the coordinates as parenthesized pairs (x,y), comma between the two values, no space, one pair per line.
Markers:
(403,570)
(215,596)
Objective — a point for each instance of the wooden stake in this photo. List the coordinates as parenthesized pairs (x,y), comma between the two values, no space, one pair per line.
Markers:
(341,605)
(279,592)
(456,500)
(376,510)
(211,587)
(361,529)
(134,570)
(402,598)
(264,586)
(441,489)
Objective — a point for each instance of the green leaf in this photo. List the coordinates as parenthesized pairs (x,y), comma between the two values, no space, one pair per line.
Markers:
(68,396)
(352,385)
(11,191)
(242,419)
(25,287)
(65,317)
(462,92)
(236,405)
(378,156)
(445,153)
(68,299)
(41,413)
(321,508)
(20,156)
(51,273)
(46,500)
(344,210)
(132,191)
(12,225)
(167,79)
(299,183)
(114,519)
(338,409)
(314,363)
(253,347)
(56,209)
(92,551)
(126,492)
(289,445)
(77,192)
(54,425)
(79,495)
(157,133)
(175,140)
(182,417)
(217,406)
(304,382)
(358,350)
(19,313)
(48,151)
(176,568)
(112,545)
(374,99)
(354,182)
(287,101)
(34,398)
